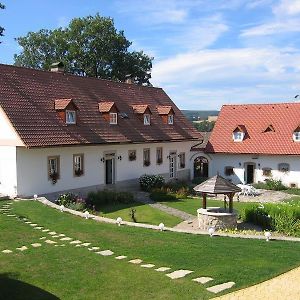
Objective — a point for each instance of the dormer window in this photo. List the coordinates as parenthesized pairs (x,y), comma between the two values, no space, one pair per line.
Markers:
(70,117)
(113,118)
(171,119)
(147,119)
(238,136)
(296,134)
(66,110)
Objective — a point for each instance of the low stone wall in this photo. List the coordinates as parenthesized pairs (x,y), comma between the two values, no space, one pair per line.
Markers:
(215,217)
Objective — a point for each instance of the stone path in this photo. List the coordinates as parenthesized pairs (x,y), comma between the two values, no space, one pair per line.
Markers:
(143,197)
(285,286)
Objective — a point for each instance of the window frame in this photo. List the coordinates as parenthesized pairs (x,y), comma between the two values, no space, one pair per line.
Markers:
(171,119)
(147,119)
(159,155)
(182,160)
(113,118)
(229,171)
(68,112)
(77,173)
(146,163)
(282,169)
(236,138)
(296,136)
(57,159)
(131,155)
(267,172)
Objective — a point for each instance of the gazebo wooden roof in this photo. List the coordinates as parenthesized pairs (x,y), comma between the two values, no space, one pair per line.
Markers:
(217,185)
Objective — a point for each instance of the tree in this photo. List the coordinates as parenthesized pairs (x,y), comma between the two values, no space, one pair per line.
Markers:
(205,126)
(89,46)
(1,28)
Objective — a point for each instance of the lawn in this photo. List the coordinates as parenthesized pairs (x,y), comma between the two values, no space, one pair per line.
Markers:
(70,272)
(144,214)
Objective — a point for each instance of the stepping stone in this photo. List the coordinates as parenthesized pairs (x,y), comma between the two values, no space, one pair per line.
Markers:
(23,248)
(6,251)
(162,269)
(78,245)
(50,242)
(39,227)
(55,236)
(66,239)
(221,287)
(11,215)
(62,245)
(203,280)
(179,274)
(148,266)
(76,242)
(52,233)
(33,225)
(24,219)
(136,261)
(35,245)
(85,244)
(46,230)
(94,248)
(43,238)
(61,235)
(105,253)
(121,257)
(28,222)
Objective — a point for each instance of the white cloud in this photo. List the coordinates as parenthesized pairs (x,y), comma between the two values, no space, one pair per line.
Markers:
(287,7)
(63,21)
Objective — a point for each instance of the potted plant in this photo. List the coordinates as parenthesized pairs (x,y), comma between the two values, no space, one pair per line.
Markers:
(53,176)
(159,161)
(147,163)
(132,156)
(78,172)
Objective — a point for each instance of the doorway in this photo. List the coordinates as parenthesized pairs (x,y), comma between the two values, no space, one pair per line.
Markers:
(200,167)
(172,165)
(249,173)
(109,170)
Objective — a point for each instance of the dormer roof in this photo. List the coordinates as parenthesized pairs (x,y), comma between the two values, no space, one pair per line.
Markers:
(106,106)
(269,128)
(141,108)
(61,104)
(165,110)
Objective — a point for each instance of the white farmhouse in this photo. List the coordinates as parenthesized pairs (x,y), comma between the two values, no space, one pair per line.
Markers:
(60,132)
(251,143)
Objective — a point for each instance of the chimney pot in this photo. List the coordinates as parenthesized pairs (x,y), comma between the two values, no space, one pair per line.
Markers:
(128,79)
(57,67)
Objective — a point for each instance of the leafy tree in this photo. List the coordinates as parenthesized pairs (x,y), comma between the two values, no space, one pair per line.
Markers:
(89,46)
(1,28)
(205,126)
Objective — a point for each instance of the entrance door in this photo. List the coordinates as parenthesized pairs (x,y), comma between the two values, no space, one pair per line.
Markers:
(172,166)
(200,167)
(110,171)
(249,173)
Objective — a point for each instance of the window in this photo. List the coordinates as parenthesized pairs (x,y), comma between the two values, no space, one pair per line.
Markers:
(113,118)
(182,160)
(296,136)
(238,136)
(228,171)
(146,119)
(146,157)
(70,117)
(78,165)
(267,172)
(283,167)
(170,119)
(53,168)
(159,155)
(132,155)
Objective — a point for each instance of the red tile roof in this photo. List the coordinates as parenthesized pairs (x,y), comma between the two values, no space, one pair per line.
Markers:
(27,97)
(164,110)
(140,108)
(61,104)
(105,107)
(255,118)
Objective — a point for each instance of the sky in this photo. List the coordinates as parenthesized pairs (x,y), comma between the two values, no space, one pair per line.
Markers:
(206,52)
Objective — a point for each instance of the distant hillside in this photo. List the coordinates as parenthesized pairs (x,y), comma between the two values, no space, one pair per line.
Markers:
(194,115)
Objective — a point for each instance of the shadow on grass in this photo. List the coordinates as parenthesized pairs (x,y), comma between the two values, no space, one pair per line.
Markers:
(110,208)
(12,288)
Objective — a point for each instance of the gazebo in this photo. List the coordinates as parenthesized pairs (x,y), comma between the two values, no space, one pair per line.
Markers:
(215,216)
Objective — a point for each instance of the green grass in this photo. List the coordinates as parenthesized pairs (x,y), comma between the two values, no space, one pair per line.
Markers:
(190,205)
(70,272)
(144,214)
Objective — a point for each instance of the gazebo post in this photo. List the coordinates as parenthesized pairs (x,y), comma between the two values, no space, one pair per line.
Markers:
(204,200)
(231,195)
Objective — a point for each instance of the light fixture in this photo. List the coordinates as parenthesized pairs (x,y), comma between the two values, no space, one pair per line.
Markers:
(35,196)
(119,157)
(119,221)
(102,159)
(267,235)
(240,164)
(62,208)
(161,226)
(211,231)
(86,214)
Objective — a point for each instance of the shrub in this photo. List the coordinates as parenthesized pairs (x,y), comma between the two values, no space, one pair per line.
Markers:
(198,180)
(162,195)
(66,199)
(103,197)
(148,182)
(275,185)
(80,206)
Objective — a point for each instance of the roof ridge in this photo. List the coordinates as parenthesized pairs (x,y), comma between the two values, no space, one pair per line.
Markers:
(262,104)
(84,77)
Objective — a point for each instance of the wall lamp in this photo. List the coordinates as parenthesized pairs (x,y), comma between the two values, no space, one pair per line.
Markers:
(102,159)
(119,157)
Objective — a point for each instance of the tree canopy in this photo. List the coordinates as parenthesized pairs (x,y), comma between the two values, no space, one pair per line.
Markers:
(1,28)
(89,46)
(205,126)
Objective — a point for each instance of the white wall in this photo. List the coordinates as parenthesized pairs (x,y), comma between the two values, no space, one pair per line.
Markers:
(32,165)
(220,161)
(8,171)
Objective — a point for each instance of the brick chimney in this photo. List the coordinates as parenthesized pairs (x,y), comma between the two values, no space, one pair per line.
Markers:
(57,67)
(129,79)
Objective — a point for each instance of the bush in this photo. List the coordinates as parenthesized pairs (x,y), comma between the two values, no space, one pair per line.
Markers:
(79,206)
(198,180)
(103,197)
(271,184)
(71,201)
(281,217)
(162,195)
(148,182)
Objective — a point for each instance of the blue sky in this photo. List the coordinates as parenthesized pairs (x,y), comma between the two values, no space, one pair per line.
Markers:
(207,52)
